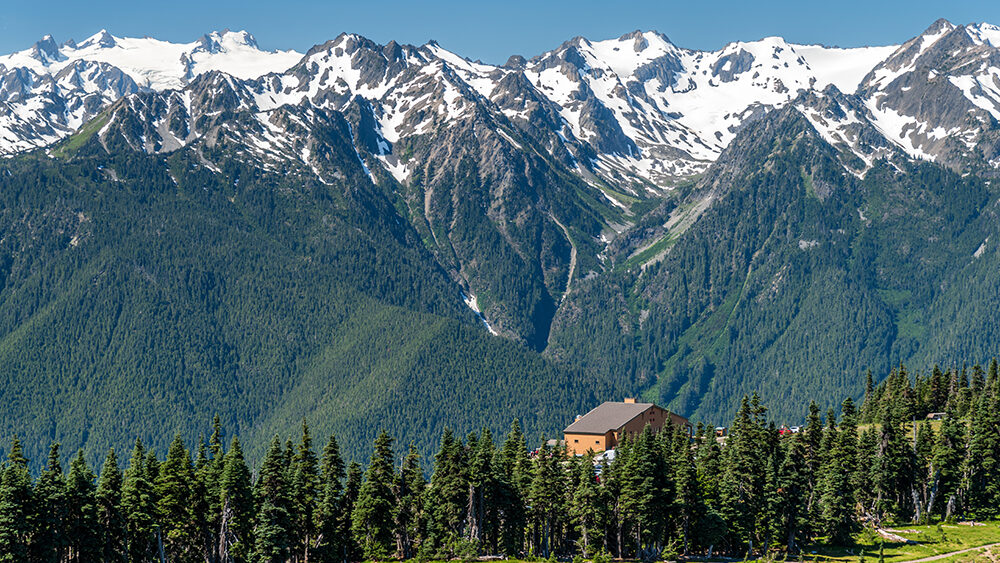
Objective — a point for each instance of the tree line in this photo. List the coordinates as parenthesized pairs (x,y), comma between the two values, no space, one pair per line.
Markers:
(758,490)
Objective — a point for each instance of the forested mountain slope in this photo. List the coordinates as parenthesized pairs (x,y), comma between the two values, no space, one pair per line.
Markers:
(143,293)
(273,237)
(795,270)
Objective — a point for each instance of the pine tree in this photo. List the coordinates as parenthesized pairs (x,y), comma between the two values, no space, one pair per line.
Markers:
(837,494)
(447,494)
(237,512)
(646,493)
(372,517)
(946,467)
(793,483)
(15,506)
(305,491)
(409,515)
(178,530)
(864,493)
(481,489)
(49,503)
(352,487)
(209,467)
(511,470)
(545,499)
(139,506)
(869,401)
(707,463)
(982,464)
(687,497)
(588,507)
(81,524)
(813,435)
(893,471)
(744,472)
(110,518)
(330,544)
(273,532)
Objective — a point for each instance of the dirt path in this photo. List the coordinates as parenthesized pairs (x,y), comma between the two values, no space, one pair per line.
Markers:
(953,553)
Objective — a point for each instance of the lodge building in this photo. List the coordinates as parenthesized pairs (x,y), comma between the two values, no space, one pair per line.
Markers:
(602,428)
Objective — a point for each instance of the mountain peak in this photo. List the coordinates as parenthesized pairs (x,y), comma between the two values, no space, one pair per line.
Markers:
(225,40)
(45,49)
(102,38)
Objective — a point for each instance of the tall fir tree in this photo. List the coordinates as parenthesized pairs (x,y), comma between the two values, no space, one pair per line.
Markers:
(83,535)
(49,508)
(139,506)
(372,517)
(110,517)
(588,507)
(409,517)
(837,493)
(237,507)
(447,494)
(330,542)
(305,493)
(178,531)
(15,506)
(273,530)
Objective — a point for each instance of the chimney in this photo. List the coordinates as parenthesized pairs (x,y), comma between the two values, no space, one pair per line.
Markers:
(630,400)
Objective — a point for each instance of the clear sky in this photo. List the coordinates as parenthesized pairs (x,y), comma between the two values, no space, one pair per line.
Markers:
(489,30)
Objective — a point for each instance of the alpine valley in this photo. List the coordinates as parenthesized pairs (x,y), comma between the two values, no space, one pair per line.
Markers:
(393,236)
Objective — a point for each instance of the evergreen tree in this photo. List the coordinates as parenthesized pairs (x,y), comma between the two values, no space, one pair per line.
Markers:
(837,502)
(946,467)
(893,467)
(409,513)
(372,517)
(793,483)
(687,496)
(49,512)
(110,518)
(480,511)
(15,506)
(330,543)
(305,491)
(588,507)
(81,518)
(511,471)
(352,487)
(447,494)
(546,500)
(139,505)
(209,468)
(982,464)
(178,531)
(744,472)
(273,531)
(237,507)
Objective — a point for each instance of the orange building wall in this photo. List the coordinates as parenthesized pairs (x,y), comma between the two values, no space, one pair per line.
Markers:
(579,444)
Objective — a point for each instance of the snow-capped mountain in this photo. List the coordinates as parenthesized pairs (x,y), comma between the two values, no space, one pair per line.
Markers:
(938,95)
(50,90)
(637,112)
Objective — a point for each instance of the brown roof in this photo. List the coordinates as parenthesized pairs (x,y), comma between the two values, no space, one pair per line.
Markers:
(607,416)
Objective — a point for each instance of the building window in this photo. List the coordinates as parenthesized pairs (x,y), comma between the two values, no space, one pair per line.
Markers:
(576,441)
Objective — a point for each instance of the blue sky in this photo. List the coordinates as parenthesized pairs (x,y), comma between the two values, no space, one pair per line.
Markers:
(489,30)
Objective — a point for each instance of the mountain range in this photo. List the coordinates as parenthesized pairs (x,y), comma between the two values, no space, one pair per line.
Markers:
(369,233)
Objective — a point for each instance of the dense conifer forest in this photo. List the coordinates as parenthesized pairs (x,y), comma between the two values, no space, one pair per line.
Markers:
(761,490)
